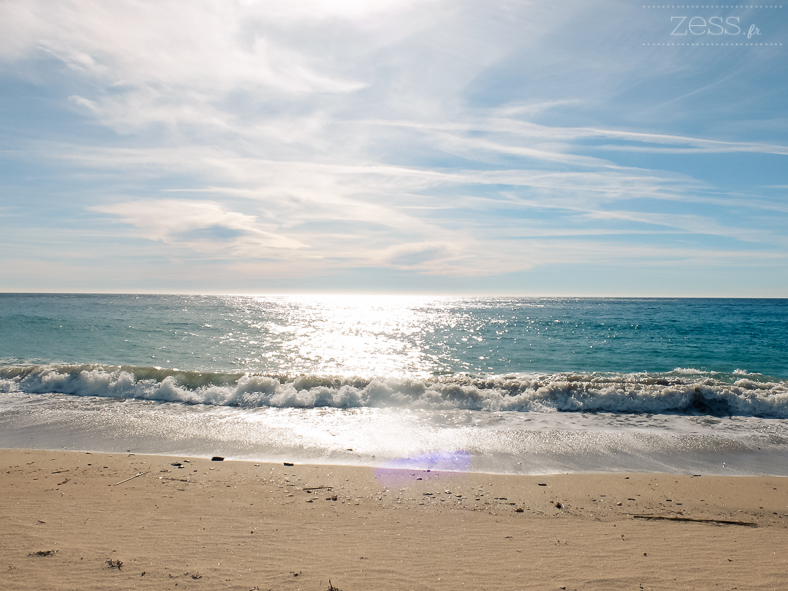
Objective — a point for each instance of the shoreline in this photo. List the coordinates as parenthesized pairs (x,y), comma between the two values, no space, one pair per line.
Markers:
(241,524)
(393,464)
(500,443)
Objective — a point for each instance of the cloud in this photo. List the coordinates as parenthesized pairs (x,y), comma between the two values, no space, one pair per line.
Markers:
(423,137)
(446,222)
(143,70)
(566,138)
(202,226)
(692,224)
(135,45)
(425,256)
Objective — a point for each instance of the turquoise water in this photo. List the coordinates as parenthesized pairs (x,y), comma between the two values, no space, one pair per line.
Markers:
(381,336)
(518,384)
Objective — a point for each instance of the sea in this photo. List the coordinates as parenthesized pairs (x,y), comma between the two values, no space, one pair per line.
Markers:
(484,384)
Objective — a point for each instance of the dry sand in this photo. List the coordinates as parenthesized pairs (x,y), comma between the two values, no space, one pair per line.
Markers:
(69,522)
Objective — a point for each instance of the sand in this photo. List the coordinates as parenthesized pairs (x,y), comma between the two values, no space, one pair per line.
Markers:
(69,521)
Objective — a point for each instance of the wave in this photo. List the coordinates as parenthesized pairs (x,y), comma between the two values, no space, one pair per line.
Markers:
(681,391)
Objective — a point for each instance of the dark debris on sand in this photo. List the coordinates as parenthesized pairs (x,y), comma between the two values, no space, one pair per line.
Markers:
(43,553)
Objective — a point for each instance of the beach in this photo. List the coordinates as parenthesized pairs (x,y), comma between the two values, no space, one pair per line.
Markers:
(392,444)
(393,295)
(77,520)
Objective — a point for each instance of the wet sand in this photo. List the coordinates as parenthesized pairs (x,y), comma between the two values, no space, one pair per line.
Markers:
(73,520)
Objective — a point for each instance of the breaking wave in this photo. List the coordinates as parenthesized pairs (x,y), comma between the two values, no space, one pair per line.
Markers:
(681,391)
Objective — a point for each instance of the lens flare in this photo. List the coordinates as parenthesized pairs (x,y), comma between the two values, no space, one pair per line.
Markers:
(401,470)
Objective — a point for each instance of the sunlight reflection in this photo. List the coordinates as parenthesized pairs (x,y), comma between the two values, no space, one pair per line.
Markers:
(364,336)
(358,335)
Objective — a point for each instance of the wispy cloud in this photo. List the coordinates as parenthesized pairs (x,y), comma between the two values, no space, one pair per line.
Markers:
(417,137)
(203,226)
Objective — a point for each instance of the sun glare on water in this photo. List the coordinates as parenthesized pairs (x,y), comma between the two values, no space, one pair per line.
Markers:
(359,335)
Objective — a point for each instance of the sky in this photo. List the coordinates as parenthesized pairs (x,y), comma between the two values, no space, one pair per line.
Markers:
(481,147)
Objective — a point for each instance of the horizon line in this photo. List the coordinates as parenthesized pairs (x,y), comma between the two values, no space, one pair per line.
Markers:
(385,294)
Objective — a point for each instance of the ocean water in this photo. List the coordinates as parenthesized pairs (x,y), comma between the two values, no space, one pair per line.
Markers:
(516,385)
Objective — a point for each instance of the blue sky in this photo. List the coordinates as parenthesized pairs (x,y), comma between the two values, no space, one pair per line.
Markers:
(406,146)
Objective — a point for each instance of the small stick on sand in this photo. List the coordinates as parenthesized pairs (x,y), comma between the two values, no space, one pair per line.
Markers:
(725,521)
(132,478)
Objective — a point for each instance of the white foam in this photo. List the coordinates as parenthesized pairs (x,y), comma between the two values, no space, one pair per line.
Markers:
(571,392)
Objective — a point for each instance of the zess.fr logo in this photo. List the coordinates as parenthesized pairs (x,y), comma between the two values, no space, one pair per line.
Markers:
(684,26)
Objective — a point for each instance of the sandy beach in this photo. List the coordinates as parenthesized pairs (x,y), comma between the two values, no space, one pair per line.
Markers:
(76,520)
